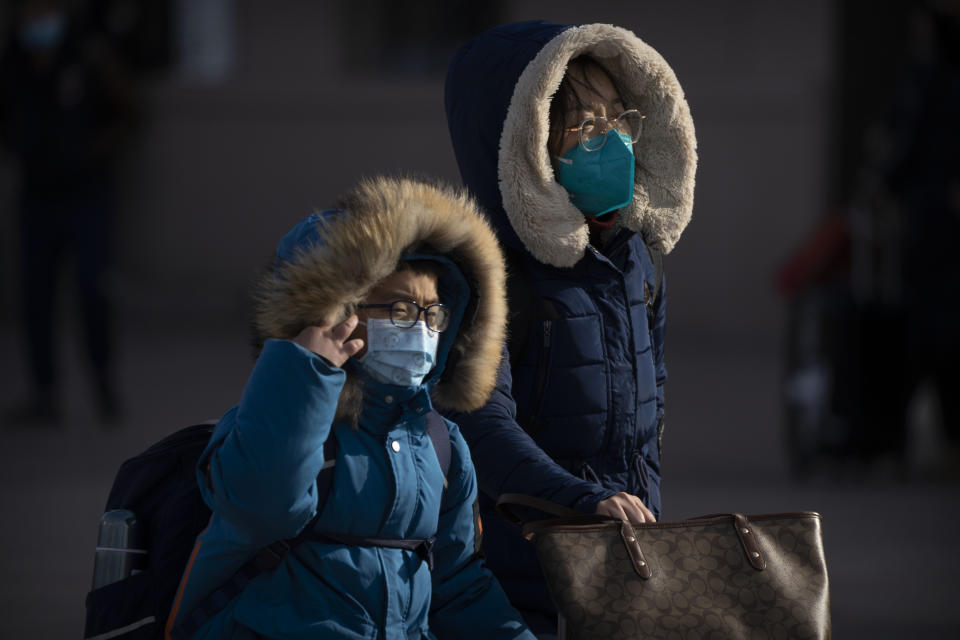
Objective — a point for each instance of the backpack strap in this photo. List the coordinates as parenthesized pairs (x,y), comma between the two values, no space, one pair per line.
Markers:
(267,558)
(436,429)
(423,547)
(440,436)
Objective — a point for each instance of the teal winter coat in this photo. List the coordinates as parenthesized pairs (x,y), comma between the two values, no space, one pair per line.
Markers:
(258,474)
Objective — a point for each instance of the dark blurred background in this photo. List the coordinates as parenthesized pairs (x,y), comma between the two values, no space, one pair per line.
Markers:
(146,176)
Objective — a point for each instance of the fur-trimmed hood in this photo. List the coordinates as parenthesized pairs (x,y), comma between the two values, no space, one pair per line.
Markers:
(498,92)
(330,261)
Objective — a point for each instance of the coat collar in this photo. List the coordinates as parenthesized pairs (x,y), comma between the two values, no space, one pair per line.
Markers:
(384,406)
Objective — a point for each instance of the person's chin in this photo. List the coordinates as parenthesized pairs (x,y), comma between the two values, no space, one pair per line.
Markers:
(605,220)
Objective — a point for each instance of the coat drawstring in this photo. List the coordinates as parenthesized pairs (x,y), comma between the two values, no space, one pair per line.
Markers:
(587,473)
(643,477)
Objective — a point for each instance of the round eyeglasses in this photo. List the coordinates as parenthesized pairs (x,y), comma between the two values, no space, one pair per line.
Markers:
(593,130)
(405,314)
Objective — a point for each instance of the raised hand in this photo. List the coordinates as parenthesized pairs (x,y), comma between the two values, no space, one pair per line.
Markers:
(331,341)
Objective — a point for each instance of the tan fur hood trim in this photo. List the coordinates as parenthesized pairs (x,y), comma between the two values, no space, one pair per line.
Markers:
(552,228)
(385,219)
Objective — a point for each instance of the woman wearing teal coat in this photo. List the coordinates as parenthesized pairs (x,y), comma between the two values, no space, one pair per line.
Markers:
(374,314)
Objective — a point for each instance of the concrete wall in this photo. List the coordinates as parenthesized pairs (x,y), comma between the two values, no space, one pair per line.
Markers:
(222,170)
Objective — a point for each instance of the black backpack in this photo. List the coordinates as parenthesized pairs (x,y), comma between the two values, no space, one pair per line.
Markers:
(160,487)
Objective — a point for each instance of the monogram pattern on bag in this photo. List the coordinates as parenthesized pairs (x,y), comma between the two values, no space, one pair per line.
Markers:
(702,585)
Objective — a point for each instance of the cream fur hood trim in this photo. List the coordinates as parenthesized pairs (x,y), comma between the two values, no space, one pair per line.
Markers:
(552,228)
(385,219)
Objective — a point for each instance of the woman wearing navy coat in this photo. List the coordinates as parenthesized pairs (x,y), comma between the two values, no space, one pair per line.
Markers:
(578,143)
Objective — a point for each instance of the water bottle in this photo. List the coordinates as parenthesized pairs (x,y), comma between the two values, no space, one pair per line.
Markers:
(120,551)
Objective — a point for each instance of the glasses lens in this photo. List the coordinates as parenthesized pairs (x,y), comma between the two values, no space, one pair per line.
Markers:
(403,314)
(438,317)
(629,123)
(591,134)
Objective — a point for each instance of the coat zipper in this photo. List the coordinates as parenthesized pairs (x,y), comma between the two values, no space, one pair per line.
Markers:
(618,244)
(643,478)
(660,438)
(541,381)
(588,474)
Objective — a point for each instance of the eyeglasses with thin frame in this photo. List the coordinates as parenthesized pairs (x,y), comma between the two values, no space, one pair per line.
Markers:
(592,131)
(406,313)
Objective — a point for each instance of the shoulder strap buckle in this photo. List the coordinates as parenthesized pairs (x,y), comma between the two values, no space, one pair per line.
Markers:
(272,555)
(425,551)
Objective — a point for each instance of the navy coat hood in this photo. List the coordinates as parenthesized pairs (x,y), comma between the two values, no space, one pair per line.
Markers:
(497,96)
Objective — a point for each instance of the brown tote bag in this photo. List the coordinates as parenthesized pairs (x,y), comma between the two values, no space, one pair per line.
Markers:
(715,577)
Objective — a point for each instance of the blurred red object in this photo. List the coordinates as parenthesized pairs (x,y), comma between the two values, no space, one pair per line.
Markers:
(822,254)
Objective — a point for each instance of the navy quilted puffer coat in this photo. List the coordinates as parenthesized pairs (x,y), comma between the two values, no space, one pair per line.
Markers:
(577,414)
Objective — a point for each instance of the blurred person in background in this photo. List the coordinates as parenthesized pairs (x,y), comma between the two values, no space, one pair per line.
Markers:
(66,110)
(923,177)
(875,289)
(579,145)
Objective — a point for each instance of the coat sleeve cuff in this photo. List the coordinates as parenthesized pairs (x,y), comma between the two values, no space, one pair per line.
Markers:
(587,504)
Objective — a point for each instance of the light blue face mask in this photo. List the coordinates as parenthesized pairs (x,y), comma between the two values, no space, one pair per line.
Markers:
(43,33)
(399,356)
(599,181)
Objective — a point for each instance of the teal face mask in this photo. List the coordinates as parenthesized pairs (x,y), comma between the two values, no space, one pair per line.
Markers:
(599,181)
